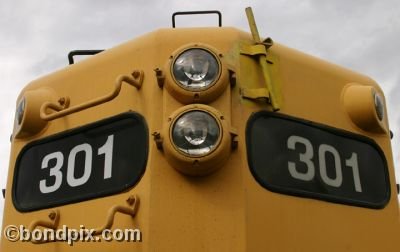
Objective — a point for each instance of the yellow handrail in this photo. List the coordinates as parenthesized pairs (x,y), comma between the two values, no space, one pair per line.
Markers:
(133,202)
(54,217)
(62,107)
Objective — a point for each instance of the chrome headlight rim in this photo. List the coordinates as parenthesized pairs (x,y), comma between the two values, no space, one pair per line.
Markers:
(201,109)
(379,105)
(188,49)
(207,95)
(20,111)
(199,165)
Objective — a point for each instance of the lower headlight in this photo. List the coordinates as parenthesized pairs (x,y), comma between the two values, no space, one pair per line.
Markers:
(195,133)
(196,139)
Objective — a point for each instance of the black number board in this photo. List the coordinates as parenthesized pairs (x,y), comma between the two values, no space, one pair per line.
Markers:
(302,158)
(95,160)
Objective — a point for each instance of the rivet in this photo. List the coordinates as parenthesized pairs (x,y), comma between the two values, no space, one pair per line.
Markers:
(135,74)
(52,215)
(61,101)
(131,200)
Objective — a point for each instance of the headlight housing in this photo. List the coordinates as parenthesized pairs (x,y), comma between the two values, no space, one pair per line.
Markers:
(27,114)
(365,106)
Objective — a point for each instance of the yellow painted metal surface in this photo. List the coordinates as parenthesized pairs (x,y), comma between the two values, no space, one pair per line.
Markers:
(226,210)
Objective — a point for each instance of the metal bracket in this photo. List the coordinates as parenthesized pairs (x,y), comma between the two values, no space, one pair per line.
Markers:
(259,50)
(255,93)
(158,140)
(234,138)
(160,77)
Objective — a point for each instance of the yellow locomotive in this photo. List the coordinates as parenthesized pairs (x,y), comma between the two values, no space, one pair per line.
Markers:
(201,139)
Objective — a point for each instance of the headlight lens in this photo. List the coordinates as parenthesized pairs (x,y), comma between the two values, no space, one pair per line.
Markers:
(195,133)
(19,114)
(196,69)
(378,101)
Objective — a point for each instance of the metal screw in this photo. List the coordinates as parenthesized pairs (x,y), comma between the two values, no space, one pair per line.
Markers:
(158,139)
(52,215)
(61,101)
(131,200)
(158,71)
(136,74)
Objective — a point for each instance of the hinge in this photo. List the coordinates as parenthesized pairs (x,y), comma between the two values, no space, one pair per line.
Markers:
(255,93)
(271,92)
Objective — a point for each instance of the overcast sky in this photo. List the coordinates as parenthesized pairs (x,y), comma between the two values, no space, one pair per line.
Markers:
(36,36)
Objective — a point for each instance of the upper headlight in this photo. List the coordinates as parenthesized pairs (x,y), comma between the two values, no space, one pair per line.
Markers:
(196,133)
(19,113)
(365,107)
(27,115)
(196,69)
(379,107)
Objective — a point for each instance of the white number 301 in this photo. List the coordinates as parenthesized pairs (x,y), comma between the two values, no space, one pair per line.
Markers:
(55,171)
(323,149)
